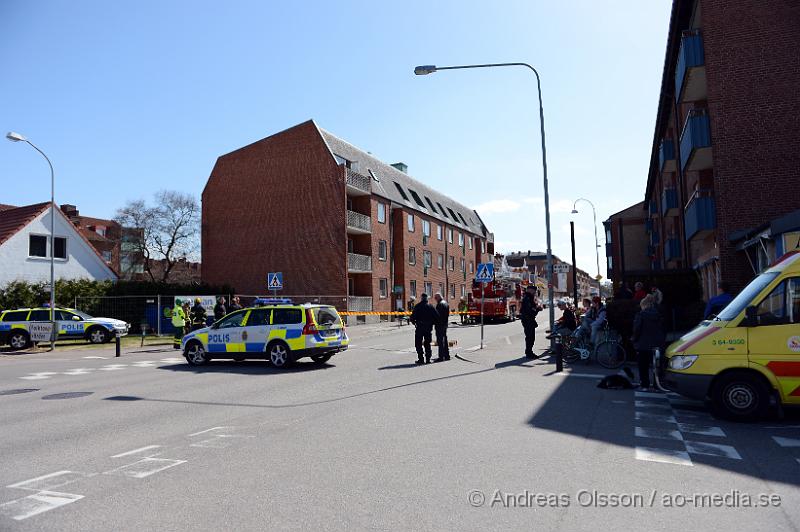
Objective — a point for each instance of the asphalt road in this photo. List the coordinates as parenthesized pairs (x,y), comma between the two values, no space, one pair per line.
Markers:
(487,441)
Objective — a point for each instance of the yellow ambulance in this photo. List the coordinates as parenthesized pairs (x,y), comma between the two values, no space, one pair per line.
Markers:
(747,358)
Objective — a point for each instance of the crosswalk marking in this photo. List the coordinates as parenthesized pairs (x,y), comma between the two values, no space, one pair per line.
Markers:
(647,416)
(113,367)
(39,376)
(786,442)
(665,456)
(701,430)
(658,433)
(712,449)
(79,371)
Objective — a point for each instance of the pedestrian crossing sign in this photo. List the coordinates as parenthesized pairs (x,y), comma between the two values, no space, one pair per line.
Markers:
(484,272)
(275,280)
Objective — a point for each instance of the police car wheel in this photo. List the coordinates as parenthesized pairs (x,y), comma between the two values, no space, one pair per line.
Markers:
(18,340)
(98,335)
(740,397)
(279,354)
(195,354)
(321,359)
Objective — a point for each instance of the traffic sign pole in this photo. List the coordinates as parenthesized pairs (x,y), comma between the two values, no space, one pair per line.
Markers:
(483,293)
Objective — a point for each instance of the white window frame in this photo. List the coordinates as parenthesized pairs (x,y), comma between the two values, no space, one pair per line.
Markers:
(440,261)
(426,228)
(439,232)
(461,239)
(381,213)
(463,264)
(451,263)
(412,255)
(412,288)
(449,235)
(382,244)
(46,245)
(469,242)
(383,288)
(410,223)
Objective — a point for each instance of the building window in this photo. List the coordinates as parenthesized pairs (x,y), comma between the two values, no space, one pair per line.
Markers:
(471,267)
(412,288)
(381,249)
(410,223)
(610,267)
(469,242)
(412,256)
(107,257)
(401,191)
(483,246)
(463,290)
(426,228)
(100,230)
(461,239)
(427,258)
(452,263)
(381,213)
(463,265)
(438,231)
(440,261)
(429,288)
(61,247)
(37,246)
(452,291)
(342,160)
(383,288)
(441,288)
(449,235)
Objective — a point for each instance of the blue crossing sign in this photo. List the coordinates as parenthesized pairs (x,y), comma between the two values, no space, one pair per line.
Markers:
(275,280)
(485,272)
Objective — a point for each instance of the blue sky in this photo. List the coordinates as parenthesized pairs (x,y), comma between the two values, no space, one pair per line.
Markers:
(131,97)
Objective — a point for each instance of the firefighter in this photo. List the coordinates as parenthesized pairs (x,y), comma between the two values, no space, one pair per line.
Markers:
(530,308)
(178,322)
(198,314)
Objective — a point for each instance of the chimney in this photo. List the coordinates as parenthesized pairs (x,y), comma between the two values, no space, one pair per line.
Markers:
(71,212)
(403,167)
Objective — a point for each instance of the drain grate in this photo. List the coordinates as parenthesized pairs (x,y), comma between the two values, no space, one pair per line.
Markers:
(18,391)
(67,395)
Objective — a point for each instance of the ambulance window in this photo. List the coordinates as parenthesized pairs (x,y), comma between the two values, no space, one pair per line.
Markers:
(232,320)
(40,315)
(794,300)
(16,315)
(772,309)
(287,316)
(258,317)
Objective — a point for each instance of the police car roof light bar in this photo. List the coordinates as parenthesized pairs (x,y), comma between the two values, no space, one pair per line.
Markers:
(263,301)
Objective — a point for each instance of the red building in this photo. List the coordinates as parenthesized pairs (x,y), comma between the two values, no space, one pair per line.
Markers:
(341,225)
(725,155)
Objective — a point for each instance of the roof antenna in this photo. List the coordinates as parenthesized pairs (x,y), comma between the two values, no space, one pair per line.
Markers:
(372,175)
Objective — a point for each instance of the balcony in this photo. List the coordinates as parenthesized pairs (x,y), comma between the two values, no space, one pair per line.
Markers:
(700,218)
(666,155)
(359,304)
(672,249)
(359,263)
(357,184)
(669,201)
(690,72)
(358,224)
(696,142)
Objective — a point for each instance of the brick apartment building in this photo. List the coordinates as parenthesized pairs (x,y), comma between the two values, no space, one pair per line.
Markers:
(536,264)
(725,158)
(627,248)
(340,224)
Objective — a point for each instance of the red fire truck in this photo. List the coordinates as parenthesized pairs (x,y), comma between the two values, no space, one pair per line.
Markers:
(502,299)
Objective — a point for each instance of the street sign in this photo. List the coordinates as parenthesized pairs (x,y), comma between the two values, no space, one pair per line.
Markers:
(560,268)
(40,332)
(485,272)
(275,280)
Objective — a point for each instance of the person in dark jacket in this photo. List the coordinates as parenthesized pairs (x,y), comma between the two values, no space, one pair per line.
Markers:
(219,309)
(443,311)
(198,314)
(424,317)
(234,305)
(624,292)
(530,308)
(567,322)
(719,302)
(648,334)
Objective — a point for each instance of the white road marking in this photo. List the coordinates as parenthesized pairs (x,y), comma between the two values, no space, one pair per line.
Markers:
(96,357)
(39,376)
(220,441)
(145,364)
(665,456)
(49,481)
(209,430)
(647,416)
(786,442)
(652,404)
(36,504)
(702,430)
(173,360)
(652,395)
(661,434)
(144,467)
(78,371)
(712,449)
(140,449)
(113,367)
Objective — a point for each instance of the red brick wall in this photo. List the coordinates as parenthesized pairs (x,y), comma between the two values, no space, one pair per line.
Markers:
(380,269)
(277,205)
(753,73)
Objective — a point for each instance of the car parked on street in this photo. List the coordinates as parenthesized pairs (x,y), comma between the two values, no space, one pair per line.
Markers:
(70,323)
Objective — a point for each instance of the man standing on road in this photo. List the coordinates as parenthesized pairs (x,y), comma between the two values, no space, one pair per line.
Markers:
(178,322)
(530,308)
(443,311)
(198,314)
(219,309)
(424,317)
(235,304)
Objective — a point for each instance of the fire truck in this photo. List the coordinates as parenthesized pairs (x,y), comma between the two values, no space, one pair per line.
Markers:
(502,299)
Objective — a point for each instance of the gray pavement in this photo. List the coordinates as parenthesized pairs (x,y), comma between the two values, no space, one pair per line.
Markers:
(487,441)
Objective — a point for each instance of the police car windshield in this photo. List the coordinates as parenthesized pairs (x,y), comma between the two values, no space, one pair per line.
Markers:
(746,296)
(326,317)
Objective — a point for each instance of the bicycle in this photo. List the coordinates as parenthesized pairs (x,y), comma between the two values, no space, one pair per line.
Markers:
(609,351)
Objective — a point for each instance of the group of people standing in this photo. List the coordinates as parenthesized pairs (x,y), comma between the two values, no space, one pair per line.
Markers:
(428,318)
(186,319)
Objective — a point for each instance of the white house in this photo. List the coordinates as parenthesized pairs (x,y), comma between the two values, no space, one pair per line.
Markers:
(25,247)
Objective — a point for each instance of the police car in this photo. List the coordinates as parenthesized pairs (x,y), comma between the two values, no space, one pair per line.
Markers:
(70,324)
(273,329)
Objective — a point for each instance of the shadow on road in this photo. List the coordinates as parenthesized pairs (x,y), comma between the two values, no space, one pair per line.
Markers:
(249,367)
(521,361)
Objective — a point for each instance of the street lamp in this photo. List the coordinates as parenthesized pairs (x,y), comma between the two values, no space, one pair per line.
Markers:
(424,70)
(596,242)
(16,137)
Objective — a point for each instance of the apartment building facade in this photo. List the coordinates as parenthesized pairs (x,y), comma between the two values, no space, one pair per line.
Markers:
(342,226)
(628,251)
(725,155)
(563,286)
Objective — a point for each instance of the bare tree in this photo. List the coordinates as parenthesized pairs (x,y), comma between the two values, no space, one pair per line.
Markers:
(167,231)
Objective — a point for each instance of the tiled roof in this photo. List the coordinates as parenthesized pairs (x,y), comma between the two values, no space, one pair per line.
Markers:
(390,182)
(5,206)
(14,219)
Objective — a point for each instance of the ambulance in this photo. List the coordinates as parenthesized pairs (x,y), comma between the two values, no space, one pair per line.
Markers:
(746,359)
(274,329)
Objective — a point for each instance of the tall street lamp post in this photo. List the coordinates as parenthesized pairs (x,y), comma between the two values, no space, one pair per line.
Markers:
(430,69)
(596,242)
(16,137)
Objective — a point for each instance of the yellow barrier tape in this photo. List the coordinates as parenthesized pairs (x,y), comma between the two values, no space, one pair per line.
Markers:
(375,313)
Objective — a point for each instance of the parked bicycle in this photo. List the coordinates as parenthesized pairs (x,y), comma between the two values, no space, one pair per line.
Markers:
(608,352)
